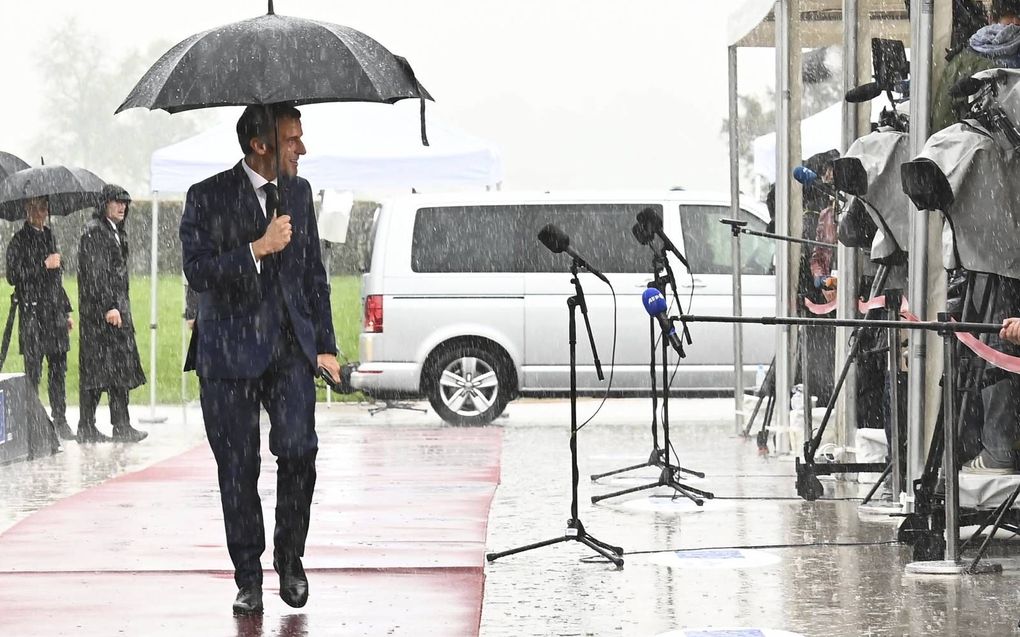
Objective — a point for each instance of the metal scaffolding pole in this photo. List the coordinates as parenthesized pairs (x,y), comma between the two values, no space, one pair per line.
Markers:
(738,329)
(921,27)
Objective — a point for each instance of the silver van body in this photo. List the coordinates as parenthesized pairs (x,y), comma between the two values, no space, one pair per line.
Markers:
(464,305)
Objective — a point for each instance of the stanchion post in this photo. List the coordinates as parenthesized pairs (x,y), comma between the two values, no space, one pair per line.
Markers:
(738,329)
(892,305)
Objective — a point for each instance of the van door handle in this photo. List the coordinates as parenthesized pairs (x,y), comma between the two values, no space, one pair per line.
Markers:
(696,283)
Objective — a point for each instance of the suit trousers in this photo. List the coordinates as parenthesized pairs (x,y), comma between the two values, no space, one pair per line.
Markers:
(88,400)
(56,372)
(230,408)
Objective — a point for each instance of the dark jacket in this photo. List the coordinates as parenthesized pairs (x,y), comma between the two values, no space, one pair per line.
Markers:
(943,107)
(108,356)
(241,312)
(43,303)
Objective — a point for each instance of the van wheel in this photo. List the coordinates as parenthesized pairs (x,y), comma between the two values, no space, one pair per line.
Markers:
(468,385)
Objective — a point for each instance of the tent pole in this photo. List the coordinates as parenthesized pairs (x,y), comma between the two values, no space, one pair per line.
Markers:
(921,26)
(738,333)
(153,310)
(847,258)
(787,148)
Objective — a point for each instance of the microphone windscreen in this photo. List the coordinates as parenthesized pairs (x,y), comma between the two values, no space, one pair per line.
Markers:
(804,175)
(863,93)
(553,238)
(641,233)
(653,301)
(650,219)
(965,88)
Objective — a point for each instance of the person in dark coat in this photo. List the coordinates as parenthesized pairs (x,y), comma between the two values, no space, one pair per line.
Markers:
(264,325)
(33,268)
(108,356)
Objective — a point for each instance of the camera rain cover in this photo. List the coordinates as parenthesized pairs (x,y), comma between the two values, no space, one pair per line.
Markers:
(881,154)
(985,215)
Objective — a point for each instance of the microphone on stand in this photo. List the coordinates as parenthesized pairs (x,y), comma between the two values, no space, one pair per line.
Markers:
(557,241)
(651,222)
(656,306)
(809,178)
(863,93)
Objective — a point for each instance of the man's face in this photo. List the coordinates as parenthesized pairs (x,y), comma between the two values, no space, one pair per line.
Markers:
(36,211)
(291,146)
(115,211)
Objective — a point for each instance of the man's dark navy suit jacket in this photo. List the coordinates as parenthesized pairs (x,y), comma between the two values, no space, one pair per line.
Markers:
(239,309)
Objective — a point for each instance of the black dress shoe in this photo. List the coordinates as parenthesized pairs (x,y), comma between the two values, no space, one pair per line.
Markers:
(248,600)
(127,433)
(293,582)
(89,433)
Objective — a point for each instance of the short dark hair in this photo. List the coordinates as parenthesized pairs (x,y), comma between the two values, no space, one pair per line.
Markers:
(255,122)
(1005,8)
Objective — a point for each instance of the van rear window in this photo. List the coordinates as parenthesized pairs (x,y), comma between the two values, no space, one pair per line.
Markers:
(505,238)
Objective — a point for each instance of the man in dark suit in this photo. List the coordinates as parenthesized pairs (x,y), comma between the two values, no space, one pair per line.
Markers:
(264,325)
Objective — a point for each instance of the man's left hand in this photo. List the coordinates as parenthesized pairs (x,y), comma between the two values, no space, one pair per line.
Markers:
(330,364)
(70,323)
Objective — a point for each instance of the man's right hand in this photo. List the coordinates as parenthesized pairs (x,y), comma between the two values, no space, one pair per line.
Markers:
(275,239)
(52,262)
(1010,330)
(113,318)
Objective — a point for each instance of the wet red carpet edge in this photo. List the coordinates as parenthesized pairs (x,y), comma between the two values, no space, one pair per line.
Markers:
(396,546)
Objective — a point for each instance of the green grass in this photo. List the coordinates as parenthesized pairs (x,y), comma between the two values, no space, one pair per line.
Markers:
(171,329)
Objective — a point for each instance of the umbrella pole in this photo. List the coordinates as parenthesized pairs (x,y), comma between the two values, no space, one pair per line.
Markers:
(153,310)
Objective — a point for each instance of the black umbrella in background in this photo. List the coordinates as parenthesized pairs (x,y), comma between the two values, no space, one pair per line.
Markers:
(276,59)
(10,164)
(68,190)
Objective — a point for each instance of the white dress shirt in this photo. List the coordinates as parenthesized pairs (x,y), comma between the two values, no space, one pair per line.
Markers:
(257,181)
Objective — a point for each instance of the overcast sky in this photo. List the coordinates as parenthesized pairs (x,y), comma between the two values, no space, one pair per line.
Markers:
(593,94)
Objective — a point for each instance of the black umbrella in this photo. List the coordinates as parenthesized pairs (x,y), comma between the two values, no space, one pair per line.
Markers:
(273,59)
(68,190)
(10,164)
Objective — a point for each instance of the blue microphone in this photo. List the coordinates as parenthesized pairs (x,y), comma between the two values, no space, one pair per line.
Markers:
(809,178)
(656,306)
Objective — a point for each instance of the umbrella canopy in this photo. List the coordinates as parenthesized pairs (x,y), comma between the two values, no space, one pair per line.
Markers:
(68,190)
(10,164)
(272,59)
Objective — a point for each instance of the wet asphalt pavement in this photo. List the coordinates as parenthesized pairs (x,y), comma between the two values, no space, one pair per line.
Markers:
(755,561)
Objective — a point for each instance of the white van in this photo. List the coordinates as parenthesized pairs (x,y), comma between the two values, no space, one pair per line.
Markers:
(462,303)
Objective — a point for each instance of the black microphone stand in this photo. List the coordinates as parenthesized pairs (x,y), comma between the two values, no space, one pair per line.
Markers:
(669,476)
(575,530)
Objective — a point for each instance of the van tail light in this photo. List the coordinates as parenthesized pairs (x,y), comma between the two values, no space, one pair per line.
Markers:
(373,320)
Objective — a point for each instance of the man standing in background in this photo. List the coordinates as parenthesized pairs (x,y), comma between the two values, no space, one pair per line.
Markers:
(33,268)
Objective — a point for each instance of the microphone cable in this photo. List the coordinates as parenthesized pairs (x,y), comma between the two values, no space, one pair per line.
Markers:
(612,365)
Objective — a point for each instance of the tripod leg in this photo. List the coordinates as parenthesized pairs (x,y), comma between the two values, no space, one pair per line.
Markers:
(614,472)
(1003,509)
(690,471)
(683,487)
(598,498)
(613,554)
(878,483)
(492,557)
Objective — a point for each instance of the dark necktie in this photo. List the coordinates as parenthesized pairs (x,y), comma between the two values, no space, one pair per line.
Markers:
(272,199)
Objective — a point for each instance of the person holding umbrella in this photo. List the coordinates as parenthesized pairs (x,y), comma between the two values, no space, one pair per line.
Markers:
(34,269)
(264,326)
(108,356)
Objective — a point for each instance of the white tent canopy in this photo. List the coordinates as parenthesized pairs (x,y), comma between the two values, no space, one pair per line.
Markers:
(351,146)
(818,133)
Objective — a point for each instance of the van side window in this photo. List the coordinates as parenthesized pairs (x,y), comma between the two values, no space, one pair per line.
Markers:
(505,238)
(467,239)
(708,243)
(601,233)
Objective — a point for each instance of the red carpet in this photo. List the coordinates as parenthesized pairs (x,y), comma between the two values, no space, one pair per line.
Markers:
(396,545)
